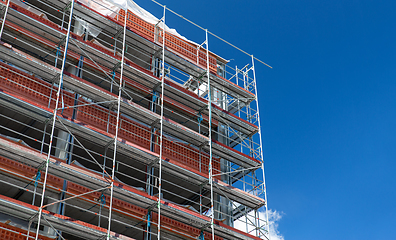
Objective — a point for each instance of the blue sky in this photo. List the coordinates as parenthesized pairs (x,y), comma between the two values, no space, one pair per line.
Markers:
(328,107)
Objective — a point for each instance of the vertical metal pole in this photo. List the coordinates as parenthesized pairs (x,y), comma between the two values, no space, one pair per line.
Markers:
(116,131)
(63,19)
(256,222)
(239,107)
(200,159)
(161,126)
(149,168)
(210,135)
(153,139)
(244,189)
(4,19)
(115,46)
(44,132)
(54,119)
(261,147)
(200,199)
(236,75)
(198,54)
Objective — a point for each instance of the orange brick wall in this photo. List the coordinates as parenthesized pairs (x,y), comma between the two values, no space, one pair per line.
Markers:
(14,233)
(180,46)
(38,91)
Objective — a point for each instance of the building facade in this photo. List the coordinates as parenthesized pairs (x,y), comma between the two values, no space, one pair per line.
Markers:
(114,126)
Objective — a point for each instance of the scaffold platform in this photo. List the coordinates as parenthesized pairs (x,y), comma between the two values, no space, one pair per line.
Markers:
(115,127)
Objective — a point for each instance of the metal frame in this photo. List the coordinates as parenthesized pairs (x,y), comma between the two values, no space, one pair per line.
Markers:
(161,124)
(238,132)
(55,111)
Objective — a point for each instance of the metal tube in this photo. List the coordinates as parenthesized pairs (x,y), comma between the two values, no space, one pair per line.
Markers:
(210,136)
(200,199)
(116,131)
(5,15)
(161,127)
(63,19)
(75,196)
(43,140)
(54,120)
(261,146)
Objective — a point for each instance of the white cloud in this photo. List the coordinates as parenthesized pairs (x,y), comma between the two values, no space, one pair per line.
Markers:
(273,217)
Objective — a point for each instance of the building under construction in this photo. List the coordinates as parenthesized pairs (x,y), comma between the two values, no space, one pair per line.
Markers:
(115,126)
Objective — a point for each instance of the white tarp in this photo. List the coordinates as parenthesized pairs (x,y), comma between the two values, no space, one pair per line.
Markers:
(148,17)
(107,8)
(111,8)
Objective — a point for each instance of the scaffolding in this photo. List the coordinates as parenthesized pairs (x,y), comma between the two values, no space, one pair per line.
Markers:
(116,127)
